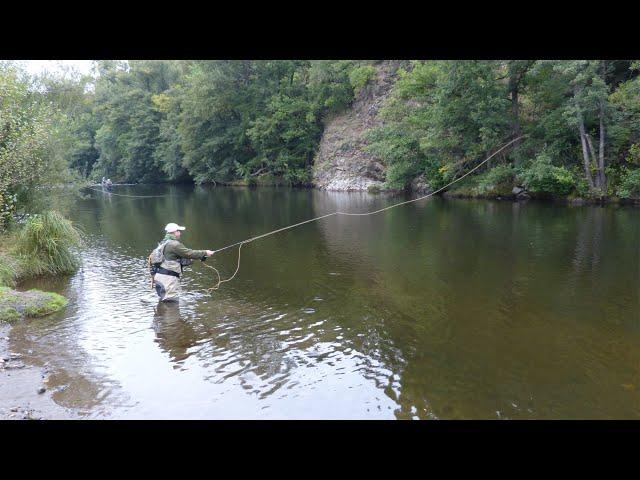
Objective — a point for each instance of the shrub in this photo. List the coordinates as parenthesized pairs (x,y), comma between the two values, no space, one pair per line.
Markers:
(629,184)
(43,245)
(498,175)
(543,177)
(399,152)
(582,186)
(361,76)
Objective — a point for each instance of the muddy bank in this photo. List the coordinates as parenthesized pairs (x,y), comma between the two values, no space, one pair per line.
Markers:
(23,388)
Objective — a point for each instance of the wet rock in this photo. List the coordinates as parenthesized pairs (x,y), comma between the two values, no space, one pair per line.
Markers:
(517,190)
(420,185)
(33,303)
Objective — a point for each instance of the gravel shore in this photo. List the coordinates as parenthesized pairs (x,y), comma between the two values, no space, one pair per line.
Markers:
(23,388)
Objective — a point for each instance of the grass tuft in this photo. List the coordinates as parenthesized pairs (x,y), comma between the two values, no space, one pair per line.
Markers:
(44,245)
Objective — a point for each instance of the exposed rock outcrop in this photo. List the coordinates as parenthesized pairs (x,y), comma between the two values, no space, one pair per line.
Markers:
(420,185)
(341,162)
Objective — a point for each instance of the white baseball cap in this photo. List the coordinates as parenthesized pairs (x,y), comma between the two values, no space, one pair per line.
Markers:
(172,227)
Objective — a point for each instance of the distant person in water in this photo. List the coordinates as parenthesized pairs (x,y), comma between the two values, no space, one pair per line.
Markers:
(176,256)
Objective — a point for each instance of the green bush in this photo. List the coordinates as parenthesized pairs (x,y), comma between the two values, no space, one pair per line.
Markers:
(581,184)
(399,152)
(497,176)
(543,177)
(633,156)
(361,76)
(629,184)
(43,245)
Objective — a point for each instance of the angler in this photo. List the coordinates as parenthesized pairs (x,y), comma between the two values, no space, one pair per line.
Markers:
(166,262)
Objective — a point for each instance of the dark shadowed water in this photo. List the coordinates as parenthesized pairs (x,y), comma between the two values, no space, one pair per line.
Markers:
(448,309)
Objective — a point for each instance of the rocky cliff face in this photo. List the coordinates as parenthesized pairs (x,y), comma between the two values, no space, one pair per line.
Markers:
(341,162)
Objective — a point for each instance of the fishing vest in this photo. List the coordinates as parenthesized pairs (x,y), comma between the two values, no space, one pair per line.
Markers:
(160,264)
(172,265)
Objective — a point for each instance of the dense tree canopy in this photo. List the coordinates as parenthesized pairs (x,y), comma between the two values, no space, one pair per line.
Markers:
(261,121)
(580,119)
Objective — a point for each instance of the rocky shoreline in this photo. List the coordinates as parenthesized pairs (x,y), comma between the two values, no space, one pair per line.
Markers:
(24,391)
(419,187)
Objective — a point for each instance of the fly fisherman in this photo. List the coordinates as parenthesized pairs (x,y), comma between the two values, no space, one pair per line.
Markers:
(176,256)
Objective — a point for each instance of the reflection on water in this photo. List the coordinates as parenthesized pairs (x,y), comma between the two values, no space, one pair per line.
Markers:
(438,309)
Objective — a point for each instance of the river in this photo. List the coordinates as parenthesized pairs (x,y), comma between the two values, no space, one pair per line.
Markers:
(439,309)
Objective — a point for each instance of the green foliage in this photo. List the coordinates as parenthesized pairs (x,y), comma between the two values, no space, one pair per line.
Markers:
(24,139)
(253,122)
(44,245)
(7,271)
(497,181)
(452,114)
(329,85)
(129,106)
(239,119)
(441,115)
(500,175)
(581,186)
(73,126)
(543,177)
(401,154)
(361,76)
(629,184)
(633,155)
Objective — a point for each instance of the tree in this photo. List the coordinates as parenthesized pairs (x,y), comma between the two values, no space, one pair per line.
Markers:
(24,139)
(587,110)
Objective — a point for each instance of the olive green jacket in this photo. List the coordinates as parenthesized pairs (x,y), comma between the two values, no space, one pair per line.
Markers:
(174,251)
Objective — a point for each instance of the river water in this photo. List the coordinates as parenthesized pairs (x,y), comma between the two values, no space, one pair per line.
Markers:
(440,309)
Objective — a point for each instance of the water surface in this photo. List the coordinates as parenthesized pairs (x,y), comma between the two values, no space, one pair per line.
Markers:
(448,309)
